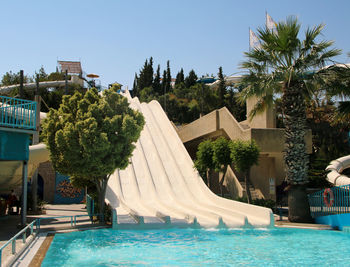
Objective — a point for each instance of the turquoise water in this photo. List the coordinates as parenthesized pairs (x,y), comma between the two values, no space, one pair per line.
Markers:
(200,247)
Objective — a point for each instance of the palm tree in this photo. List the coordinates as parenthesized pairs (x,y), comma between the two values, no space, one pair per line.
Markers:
(282,66)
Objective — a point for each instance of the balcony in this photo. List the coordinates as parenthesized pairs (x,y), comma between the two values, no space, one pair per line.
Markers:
(17,113)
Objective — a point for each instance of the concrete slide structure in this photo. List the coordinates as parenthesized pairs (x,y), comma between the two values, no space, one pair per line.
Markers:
(335,168)
(161,188)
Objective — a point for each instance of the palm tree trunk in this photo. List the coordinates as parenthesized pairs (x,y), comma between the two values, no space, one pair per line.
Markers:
(295,157)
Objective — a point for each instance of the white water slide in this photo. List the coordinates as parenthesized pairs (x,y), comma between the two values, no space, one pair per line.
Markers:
(161,188)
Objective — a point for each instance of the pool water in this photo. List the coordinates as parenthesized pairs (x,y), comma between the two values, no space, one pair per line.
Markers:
(200,247)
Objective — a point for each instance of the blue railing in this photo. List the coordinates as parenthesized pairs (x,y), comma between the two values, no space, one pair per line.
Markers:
(37,223)
(17,113)
(22,233)
(335,200)
(90,205)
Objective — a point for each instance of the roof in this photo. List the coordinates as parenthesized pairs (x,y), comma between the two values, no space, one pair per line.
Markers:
(70,66)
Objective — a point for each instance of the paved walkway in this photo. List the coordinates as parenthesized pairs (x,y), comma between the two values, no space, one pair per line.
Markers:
(9,224)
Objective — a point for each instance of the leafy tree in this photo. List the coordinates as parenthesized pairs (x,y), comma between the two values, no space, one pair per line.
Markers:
(191,79)
(221,88)
(206,97)
(244,155)
(284,64)
(236,107)
(204,162)
(11,78)
(91,135)
(221,158)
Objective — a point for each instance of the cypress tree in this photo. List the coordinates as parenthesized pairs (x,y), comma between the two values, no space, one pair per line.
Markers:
(191,79)
(221,88)
(168,77)
(156,82)
(149,73)
(180,77)
(141,83)
(164,83)
(134,87)
(146,75)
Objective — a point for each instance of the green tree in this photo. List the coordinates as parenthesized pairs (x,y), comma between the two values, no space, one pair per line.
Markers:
(11,78)
(221,158)
(43,76)
(91,135)
(204,162)
(164,83)
(244,155)
(191,79)
(146,75)
(156,82)
(284,64)
(168,77)
(135,86)
(180,78)
(221,88)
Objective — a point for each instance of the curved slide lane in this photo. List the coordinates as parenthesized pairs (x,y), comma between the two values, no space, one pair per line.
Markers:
(160,187)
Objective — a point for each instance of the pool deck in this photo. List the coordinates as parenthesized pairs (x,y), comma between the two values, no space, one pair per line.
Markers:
(9,224)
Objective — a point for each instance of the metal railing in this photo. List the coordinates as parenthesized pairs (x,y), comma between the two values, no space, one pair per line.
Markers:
(90,206)
(37,223)
(22,233)
(17,113)
(335,200)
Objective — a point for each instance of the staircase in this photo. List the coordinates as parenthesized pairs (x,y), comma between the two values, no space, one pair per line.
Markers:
(255,193)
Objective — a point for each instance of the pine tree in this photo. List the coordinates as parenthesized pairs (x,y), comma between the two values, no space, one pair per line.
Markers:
(191,79)
(180,77)
(222,88)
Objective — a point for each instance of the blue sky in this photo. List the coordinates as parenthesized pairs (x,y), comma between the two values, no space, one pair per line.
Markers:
(113,38)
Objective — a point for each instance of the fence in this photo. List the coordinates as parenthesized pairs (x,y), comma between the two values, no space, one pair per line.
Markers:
(17,113)
(335,200)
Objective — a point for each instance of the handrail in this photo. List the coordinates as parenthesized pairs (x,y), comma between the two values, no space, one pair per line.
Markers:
(18,113)
(37,222)
(23,232)
(335,200)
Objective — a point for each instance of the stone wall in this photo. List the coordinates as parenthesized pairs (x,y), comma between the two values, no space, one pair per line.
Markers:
(48,174)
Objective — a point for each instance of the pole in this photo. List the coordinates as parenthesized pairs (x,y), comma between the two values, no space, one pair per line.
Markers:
(24,194)
(21,93)
(66,84)
(35,141)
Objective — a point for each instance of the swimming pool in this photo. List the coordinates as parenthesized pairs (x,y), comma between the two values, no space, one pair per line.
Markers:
(200,247)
